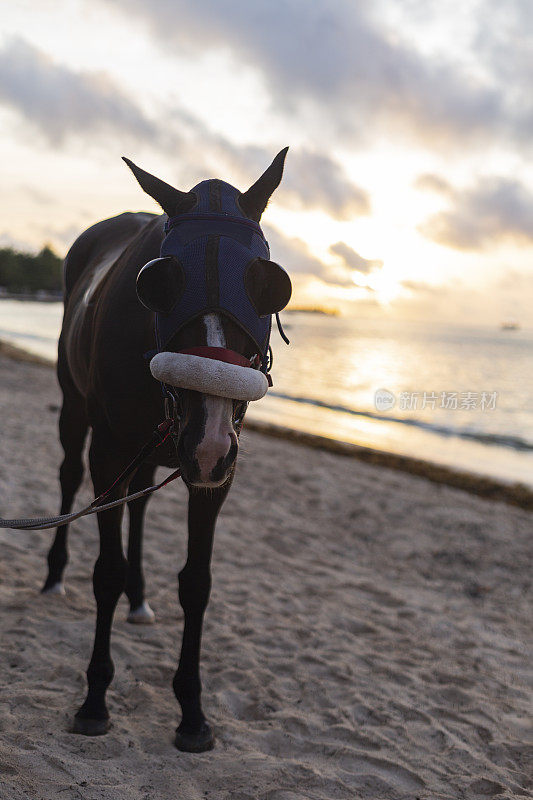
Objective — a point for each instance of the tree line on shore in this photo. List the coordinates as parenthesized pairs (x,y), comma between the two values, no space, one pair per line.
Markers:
(24,273)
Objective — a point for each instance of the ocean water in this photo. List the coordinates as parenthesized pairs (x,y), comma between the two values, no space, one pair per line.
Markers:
(455,395)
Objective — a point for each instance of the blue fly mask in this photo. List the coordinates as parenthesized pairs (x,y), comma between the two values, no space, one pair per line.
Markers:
(213,259)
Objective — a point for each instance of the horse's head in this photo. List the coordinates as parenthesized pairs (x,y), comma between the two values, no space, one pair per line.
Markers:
(213,290)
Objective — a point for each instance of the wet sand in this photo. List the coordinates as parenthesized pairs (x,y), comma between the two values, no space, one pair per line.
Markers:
(368,634)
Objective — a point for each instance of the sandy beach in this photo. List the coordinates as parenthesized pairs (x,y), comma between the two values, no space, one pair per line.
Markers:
(368,634)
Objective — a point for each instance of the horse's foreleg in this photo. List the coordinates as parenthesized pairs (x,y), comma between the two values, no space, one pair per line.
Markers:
(194,734)
(109,580)
(72,432)
(140,611)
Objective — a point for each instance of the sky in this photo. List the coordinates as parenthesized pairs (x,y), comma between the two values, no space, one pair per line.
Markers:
(408,186)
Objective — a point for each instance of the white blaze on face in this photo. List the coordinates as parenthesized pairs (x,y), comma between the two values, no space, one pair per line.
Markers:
(219,434)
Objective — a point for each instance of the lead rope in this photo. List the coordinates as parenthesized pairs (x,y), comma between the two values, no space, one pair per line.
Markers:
(159,436)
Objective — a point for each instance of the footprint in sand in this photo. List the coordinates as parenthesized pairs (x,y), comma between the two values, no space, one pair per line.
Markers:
(384,598)
(8,769)
(386,770)
(486,788)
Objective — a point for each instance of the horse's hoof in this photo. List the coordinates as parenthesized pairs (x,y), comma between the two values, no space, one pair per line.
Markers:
(195,742)
(54,588)
(90,727)
(142,615)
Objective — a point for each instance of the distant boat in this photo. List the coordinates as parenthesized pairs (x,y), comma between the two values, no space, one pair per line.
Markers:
(510,326)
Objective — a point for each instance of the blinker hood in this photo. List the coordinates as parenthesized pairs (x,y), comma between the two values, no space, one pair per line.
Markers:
(214,245)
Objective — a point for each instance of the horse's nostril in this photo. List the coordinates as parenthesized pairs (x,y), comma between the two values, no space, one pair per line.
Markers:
(187,456)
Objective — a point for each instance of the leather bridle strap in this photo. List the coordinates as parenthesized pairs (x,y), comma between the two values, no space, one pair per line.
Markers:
(221,354)
(213,217)
(160,435)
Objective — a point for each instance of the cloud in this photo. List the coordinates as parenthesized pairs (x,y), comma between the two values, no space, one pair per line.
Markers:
(311,180)
(432,183)
(21,245)
(503,42)
(420,287)
(314,180)
(294,255)
(352,260)
(337,57)
(495,210)
(37,195)
(515,279)
(508,296)
(59,101)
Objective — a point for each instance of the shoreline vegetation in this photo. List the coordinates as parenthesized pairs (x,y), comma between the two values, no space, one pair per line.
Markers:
(31,276)
(516,494)
(327,312)
(39,277)
(41,296)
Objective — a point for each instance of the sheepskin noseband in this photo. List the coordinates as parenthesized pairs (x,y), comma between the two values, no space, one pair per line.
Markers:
(209,376)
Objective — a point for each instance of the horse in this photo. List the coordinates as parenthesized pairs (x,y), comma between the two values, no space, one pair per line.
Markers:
(196,281)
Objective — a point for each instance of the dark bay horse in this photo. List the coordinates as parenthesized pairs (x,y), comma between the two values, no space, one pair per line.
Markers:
(108,386)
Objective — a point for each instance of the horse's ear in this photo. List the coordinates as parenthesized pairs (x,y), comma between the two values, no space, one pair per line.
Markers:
(160,284)
(268,286)
(171,200)
(254,201)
